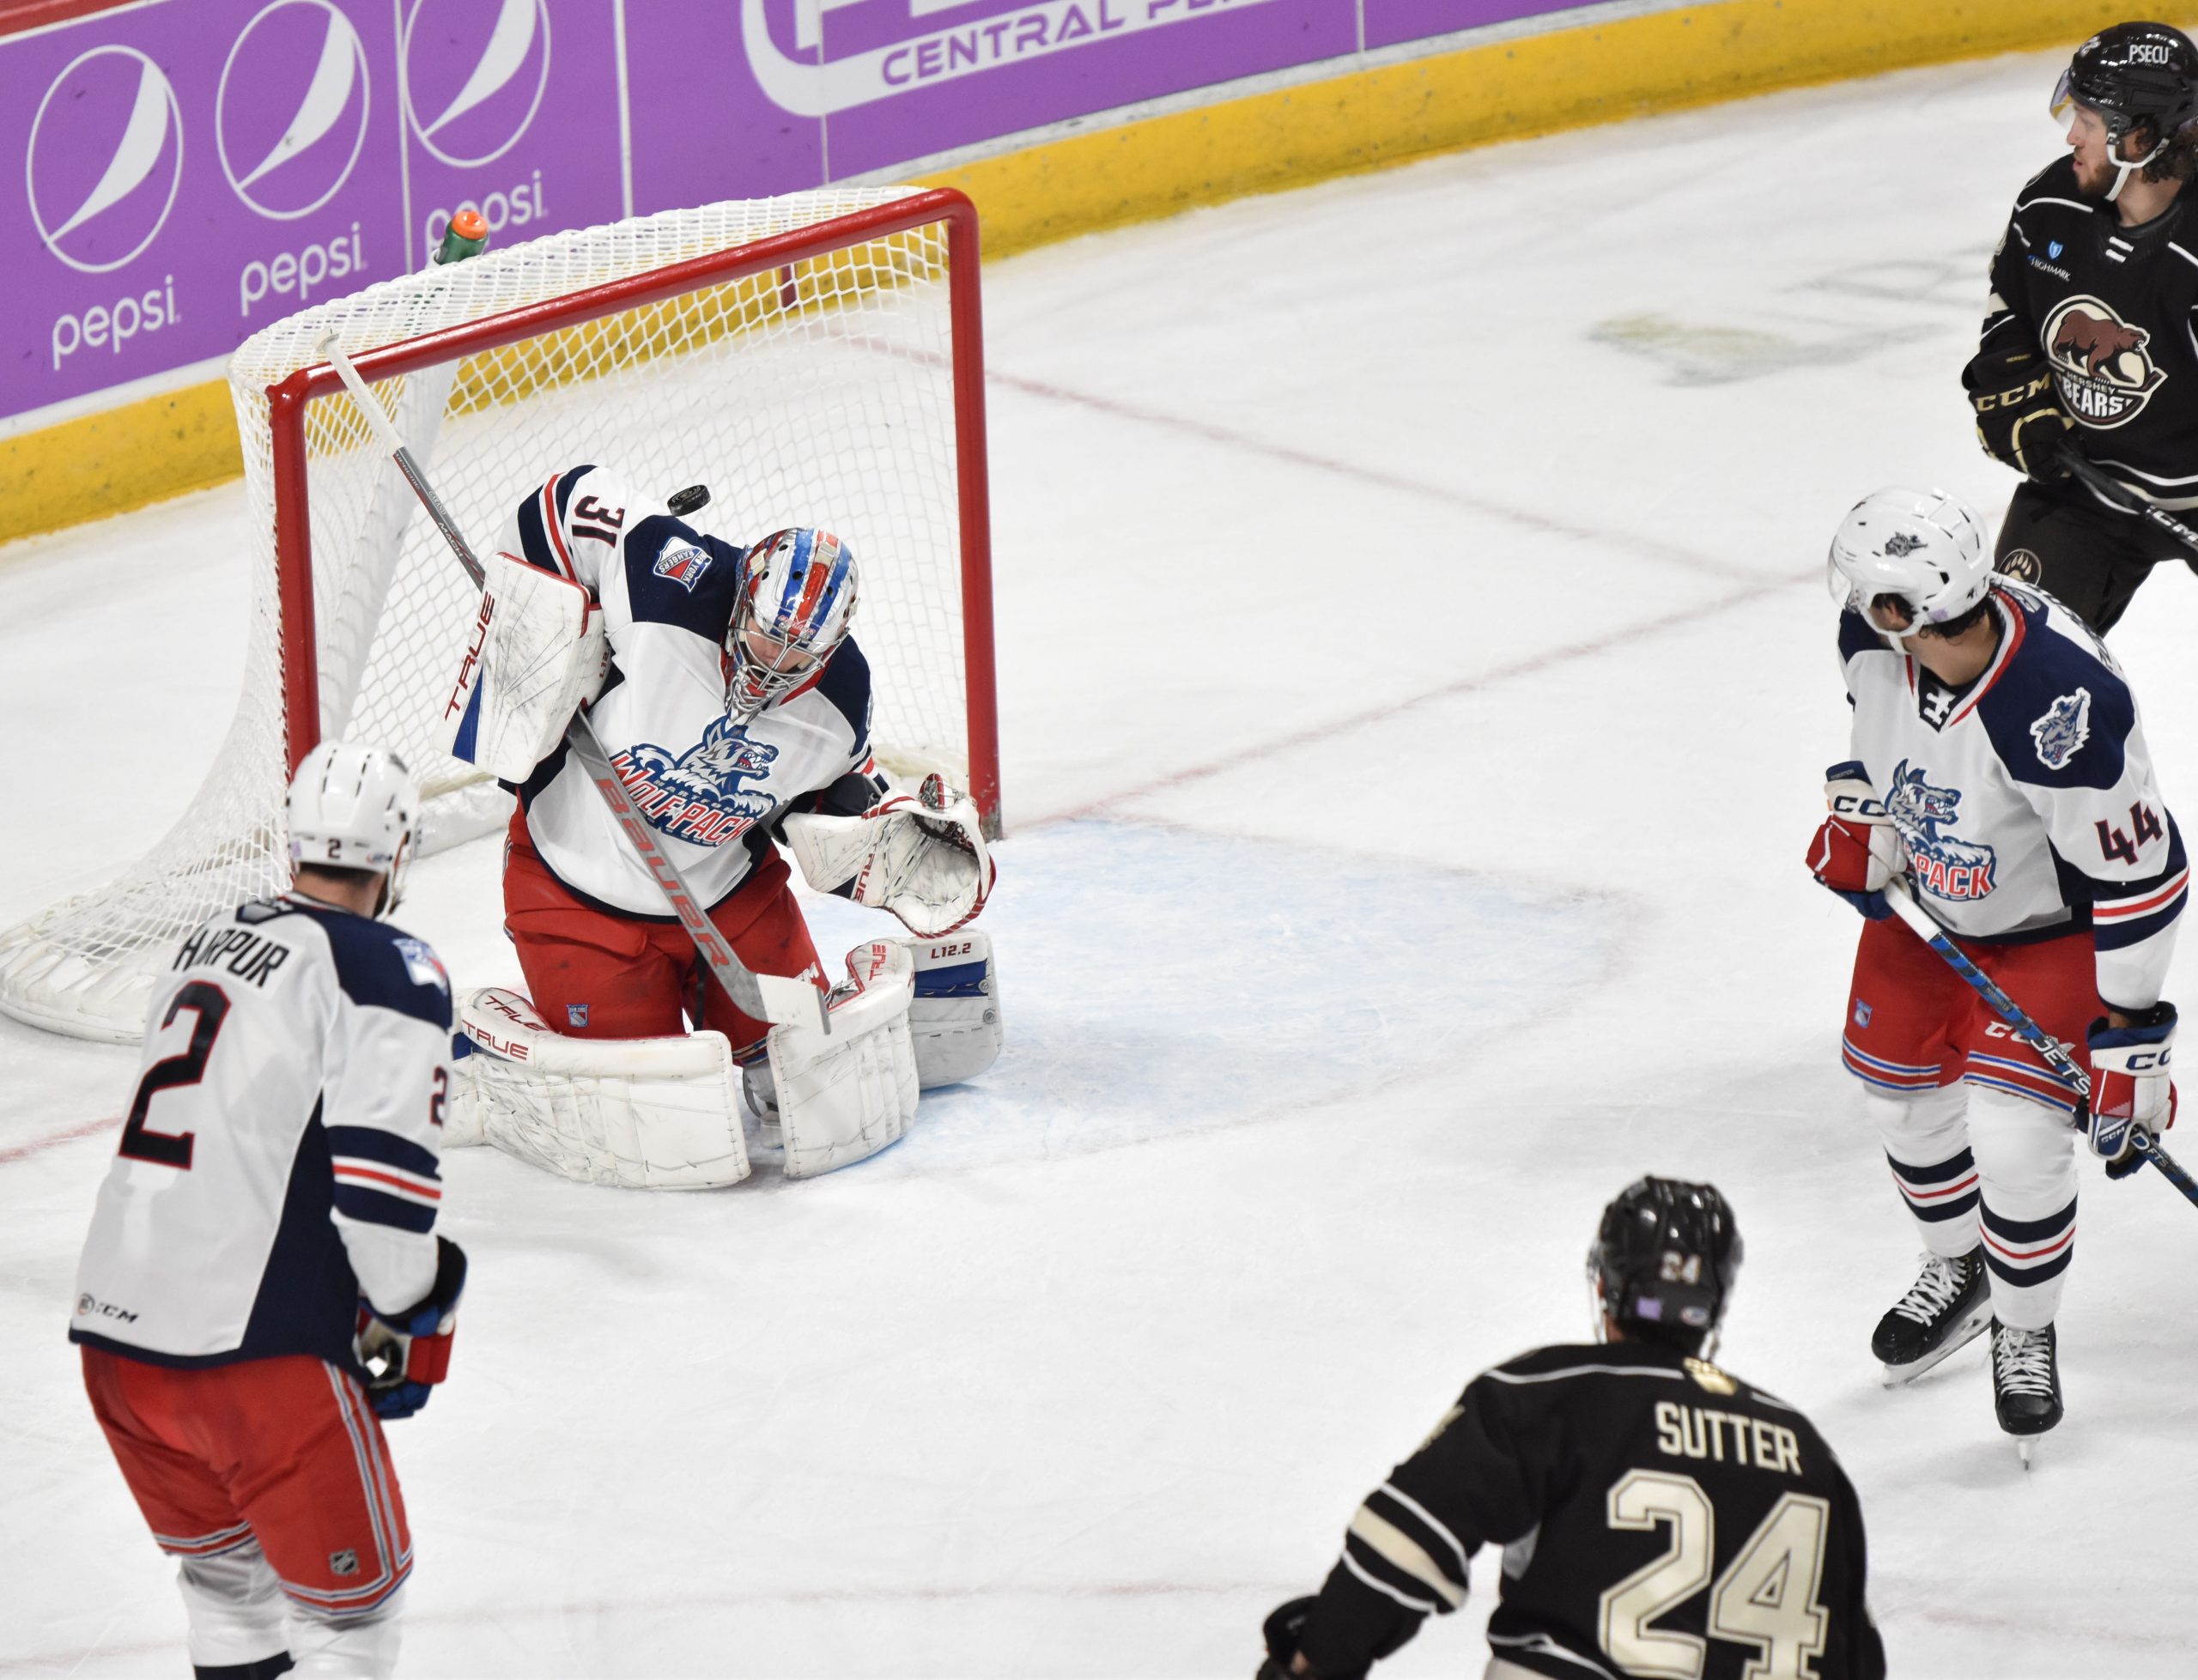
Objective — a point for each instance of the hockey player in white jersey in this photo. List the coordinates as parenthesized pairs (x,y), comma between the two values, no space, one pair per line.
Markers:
(263,1284)
(1999,764)
(735,704)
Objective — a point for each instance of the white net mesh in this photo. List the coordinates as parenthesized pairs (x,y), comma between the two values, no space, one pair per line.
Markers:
(818,393)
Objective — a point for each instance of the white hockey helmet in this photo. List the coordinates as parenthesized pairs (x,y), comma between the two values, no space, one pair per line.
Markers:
(353,808)
(1925,548)
(797,600)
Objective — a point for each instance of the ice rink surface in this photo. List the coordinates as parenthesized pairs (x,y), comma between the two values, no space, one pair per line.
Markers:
(1417,677)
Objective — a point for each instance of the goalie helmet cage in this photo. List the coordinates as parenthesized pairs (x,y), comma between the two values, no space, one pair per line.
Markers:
(814,358)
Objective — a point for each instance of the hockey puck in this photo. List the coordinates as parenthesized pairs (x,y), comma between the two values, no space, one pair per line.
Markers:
(684,502)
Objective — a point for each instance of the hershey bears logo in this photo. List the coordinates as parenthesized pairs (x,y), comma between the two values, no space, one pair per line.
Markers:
(2021,564)
(698,797)
(2100,364)
(1945,867)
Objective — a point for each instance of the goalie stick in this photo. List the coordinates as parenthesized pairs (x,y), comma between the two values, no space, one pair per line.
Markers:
(2141,1138)
(768,998)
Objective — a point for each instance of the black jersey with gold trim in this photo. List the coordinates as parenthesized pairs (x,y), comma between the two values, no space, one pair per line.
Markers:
(1657,1515)
(2112,309)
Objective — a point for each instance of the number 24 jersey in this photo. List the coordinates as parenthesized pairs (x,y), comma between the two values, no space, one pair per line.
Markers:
(1657,1515)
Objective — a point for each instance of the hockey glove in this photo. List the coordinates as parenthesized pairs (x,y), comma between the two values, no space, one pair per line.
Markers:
(1857,850)
(2019,418)
(2131,1085)
(1281,1630)
(406,1353)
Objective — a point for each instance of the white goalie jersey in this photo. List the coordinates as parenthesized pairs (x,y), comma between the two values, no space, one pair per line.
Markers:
(711,787)
(2025,802)
(281,1154)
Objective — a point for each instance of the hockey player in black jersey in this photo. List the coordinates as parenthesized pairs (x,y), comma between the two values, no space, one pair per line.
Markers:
(1656,1514)
(2091,338)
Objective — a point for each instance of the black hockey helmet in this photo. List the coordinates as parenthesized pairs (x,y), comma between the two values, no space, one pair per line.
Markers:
(2133,74)
(1664,1258)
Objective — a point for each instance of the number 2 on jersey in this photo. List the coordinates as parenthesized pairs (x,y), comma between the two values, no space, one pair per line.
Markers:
(188,1067)
(1766,1597)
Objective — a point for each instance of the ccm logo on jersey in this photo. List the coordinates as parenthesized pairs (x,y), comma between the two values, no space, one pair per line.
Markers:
(91,1306)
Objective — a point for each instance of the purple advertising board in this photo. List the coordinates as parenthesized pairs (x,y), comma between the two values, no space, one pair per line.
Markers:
(193,171)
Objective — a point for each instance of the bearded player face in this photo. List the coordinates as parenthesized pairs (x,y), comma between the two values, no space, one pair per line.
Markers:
(2087,141)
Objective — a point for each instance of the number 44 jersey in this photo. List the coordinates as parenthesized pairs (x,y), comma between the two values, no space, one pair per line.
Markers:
(1656,1516)
(280,1154)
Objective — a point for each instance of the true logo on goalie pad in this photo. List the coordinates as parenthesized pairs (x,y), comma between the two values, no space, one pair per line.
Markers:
(698,797)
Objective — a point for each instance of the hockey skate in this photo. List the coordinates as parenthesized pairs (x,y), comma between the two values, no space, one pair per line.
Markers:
(2026,1383)
(1948,1306)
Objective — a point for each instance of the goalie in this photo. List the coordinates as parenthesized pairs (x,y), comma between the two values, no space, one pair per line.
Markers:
(735,708)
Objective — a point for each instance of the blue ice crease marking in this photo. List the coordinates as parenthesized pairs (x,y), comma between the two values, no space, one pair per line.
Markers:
(1155,980)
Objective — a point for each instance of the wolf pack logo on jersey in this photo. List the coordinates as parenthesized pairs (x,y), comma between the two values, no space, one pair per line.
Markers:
(1945,867)
(698,795)
(683,563)
(2100,364)
(2063,729)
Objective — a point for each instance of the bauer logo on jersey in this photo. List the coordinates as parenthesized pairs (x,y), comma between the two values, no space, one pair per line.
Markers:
(2063,729)
(698,797)
(683,563)
(1944,867)
(2100,364)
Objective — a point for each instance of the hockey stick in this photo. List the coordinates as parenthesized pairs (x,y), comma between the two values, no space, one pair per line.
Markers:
(768,998)
(2104,486)
(2141,1138)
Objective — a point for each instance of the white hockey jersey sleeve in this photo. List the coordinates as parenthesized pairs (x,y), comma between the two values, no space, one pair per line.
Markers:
(2066,730)
(387,1078)
(574,526)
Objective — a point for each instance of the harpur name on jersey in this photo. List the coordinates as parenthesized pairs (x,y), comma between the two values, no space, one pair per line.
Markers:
(1944,867)
(697,796)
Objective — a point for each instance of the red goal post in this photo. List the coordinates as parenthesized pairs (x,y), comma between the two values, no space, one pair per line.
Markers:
(816,359)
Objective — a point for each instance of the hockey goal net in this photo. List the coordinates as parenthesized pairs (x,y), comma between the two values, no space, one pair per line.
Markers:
(814,358)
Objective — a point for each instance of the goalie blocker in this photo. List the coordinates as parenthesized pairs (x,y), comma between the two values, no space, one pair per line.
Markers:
(665,1112)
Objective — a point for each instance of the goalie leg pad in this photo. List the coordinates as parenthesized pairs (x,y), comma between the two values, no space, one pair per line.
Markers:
(843,1098)
(953,1021)
(659,1113)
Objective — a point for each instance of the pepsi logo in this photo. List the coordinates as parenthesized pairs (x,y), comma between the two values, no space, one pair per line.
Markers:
(290,120)
(105,157)
(474,76)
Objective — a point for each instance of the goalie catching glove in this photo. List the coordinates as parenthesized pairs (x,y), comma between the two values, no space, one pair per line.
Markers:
(923,859)
(406,1353)
(534,654)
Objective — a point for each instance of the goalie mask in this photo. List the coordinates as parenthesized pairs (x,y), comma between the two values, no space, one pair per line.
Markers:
(353,808)
(1923,548)
(797,598)
(1664,1262)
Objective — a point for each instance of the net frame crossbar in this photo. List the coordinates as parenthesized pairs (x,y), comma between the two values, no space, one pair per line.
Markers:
(290,399)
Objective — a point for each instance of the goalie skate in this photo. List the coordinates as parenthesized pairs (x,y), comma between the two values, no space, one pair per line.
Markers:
(1948,1306)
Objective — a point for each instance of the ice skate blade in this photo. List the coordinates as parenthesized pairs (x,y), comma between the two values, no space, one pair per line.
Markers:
(2023,1445)
(1896,1376)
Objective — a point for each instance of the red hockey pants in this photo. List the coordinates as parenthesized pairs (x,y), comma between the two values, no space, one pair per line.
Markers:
(595,974)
